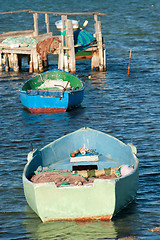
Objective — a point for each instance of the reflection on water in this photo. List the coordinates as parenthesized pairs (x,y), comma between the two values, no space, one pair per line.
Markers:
(35,118)
(67,230)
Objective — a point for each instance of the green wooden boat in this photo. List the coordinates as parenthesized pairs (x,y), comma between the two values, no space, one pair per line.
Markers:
(102,198)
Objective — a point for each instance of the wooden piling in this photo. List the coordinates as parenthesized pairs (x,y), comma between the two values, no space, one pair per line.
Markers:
(7,63)
(104,60)
(70,45)
(47,22)
(15,63)
(35,60)
(36,31)
(1,67)
(62,45)
(98,60)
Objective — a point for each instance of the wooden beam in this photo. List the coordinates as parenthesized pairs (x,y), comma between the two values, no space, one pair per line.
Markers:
(15,63)
(68,13)
(70,44)
(61,54)
(47,22)
(27,10)
(36,31)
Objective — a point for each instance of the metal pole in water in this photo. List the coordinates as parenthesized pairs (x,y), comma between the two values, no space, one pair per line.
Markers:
(129,62)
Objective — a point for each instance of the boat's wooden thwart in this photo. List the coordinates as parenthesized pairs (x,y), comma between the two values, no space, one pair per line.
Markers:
(52,91)
(99,198)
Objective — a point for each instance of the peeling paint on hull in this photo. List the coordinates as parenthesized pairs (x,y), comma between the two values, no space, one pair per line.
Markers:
(104,218)
(45,110)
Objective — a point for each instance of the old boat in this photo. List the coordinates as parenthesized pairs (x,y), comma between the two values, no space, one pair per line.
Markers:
(52,91)
(102,198)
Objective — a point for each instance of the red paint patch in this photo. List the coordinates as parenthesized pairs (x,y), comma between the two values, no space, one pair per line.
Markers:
(83,57)
(45,110)
(81,220)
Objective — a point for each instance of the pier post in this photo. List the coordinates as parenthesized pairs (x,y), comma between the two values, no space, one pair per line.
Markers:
(1,67)
(6,63)
(62,45)
(36,31)
(47,22)
(15,63)
(40,64)
(98,56)
(70,45)
(31,64)
(11,60)
(35,60)
(95,61)
(104,59)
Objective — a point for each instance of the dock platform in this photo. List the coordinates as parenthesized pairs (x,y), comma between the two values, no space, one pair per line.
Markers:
(45,44)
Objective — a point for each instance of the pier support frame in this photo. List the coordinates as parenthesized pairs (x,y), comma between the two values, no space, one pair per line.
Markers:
(99,56)
(11,57)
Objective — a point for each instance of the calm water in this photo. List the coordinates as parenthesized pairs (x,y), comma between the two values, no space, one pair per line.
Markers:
(114,103)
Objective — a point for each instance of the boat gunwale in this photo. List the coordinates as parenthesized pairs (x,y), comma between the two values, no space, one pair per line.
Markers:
(136,160)
(83,186)
(52,70)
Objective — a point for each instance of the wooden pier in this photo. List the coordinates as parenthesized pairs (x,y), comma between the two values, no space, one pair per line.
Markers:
(11,56)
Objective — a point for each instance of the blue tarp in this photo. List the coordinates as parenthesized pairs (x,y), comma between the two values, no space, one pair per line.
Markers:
(83,38)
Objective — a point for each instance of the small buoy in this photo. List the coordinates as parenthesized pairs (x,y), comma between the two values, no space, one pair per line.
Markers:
(152,5)
(89,77)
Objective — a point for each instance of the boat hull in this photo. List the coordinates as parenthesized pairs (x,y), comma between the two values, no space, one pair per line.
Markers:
(51,100)
(101,200)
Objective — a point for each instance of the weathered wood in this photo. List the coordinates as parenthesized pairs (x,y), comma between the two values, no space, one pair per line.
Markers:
(100,47)
(47,22)
(19,11)
(70,44)
(63,31)
(40,64)
(7,63)
(11,60)
(66,62)
(100,52)
(36,31)
(28,33)
(66,50)
(69,13)
(44,36)
(35,60)
(31,64)
(1,67)
(15,63)
(104,59)
(95,60)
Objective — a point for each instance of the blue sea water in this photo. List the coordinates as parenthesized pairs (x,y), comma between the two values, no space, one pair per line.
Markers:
(115,103)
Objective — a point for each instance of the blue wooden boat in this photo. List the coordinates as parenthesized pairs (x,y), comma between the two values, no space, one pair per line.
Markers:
(99,196)
(52,91)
